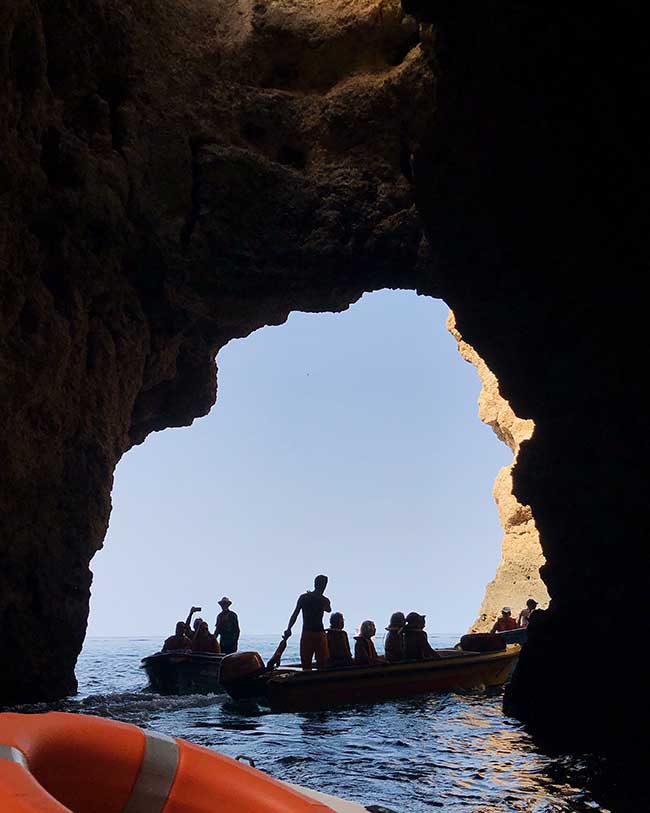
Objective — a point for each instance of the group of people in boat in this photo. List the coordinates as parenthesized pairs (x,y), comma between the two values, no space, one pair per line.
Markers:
(506,621)
(195,636)
(406,638)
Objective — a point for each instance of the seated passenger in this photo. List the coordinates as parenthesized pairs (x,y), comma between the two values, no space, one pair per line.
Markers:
(337,642)
(205,641)
(416,642)
(365,653)
(504,622)
(394,641)
(177,641)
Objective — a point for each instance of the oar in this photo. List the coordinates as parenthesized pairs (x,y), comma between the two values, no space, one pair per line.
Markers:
(277,655)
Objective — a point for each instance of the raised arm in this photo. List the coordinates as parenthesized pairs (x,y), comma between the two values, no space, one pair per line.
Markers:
(188,620)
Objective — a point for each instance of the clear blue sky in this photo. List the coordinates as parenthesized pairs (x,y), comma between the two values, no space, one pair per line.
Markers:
(347,444)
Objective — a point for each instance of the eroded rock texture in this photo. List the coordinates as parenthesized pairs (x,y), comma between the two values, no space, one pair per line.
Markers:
(176,174)
(173,175)
(518,576)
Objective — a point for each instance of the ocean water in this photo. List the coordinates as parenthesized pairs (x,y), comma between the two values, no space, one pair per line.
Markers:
(452,752)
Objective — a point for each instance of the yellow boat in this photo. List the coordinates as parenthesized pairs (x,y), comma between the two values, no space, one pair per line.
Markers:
(244,675)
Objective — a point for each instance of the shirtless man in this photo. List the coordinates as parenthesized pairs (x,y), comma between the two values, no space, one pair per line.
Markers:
(313,640)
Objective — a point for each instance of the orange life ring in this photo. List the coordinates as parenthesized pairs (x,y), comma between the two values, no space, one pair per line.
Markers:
(73,763)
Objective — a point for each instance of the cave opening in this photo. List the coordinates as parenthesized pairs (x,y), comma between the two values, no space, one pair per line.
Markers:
(345,443)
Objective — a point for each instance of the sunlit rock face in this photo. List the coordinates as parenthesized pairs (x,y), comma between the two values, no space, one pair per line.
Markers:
(173,175)
(518,576)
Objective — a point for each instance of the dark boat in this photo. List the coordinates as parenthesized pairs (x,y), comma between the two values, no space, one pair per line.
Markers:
(244,675)
(516,636)
(183,672)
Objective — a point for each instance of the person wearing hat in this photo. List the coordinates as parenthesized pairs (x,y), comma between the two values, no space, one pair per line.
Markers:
(505,621)
(416,642)
(525,614)
(394,641)
(227,627)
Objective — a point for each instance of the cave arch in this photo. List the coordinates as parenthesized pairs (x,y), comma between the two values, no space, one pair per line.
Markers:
(292,393)
(141,229)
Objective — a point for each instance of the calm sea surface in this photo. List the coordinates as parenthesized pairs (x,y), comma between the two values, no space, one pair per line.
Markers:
(452,752)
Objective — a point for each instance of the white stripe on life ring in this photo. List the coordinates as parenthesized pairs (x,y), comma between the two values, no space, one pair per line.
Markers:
(157,774)
(11,754)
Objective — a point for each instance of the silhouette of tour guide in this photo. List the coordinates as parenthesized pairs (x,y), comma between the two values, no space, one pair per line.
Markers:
(204,641)
(416,642)
(177,641)
(227,627)
(337,642)
(394,641)
(365,653)
(313,640)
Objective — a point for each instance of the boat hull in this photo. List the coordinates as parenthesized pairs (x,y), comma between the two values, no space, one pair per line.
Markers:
(179,673)
(516,636)
(295,690)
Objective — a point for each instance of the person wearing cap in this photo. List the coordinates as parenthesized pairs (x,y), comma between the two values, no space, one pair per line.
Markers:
(416,642)
(525,614)
(227,627)
(394,641)
(338,643)
(505,621)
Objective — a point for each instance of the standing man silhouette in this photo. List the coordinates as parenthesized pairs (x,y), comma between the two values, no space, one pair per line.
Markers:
(313,641)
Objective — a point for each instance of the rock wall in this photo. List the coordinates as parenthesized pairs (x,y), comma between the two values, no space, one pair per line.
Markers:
(531,188)
(518,575)
(174,175)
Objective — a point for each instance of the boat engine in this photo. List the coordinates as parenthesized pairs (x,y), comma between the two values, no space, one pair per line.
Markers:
(239,673)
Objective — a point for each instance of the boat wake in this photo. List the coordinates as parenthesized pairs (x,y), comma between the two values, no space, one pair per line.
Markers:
(131,707)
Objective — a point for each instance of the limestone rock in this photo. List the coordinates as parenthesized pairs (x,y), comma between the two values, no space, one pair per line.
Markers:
(518,577)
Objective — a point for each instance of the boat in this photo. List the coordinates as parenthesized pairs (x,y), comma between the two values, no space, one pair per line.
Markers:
(244,676)
(519,635)
(76,763)
(181,672)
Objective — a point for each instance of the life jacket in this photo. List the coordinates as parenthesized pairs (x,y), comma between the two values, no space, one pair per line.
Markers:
(207,644)
(394,646)
(339,647)
(59,763)
(416,645)
(504,624)
(364,650)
